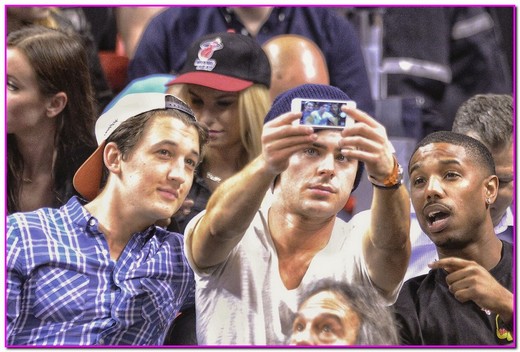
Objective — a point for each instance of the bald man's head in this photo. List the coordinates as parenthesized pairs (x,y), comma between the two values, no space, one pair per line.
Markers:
(295,60)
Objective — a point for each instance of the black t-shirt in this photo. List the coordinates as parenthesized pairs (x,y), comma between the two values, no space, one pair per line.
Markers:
(428,314)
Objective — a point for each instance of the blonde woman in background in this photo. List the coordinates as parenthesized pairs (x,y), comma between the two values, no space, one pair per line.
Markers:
(226,82)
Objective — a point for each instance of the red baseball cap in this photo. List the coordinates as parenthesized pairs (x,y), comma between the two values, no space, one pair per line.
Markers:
(225,61)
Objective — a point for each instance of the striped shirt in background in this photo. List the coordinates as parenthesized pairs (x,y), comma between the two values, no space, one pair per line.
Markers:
(64,289)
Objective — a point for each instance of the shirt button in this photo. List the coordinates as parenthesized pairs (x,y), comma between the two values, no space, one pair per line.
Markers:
(101,341)
(92,222)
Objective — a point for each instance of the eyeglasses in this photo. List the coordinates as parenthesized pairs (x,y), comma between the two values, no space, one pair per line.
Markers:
(172,102)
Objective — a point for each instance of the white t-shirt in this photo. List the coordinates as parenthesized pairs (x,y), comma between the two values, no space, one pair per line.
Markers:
(243,301)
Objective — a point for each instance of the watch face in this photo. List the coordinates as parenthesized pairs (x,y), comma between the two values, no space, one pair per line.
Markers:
(399,174)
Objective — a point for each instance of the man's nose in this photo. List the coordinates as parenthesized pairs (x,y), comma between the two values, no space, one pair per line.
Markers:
(326,165)
(302,338)
(177,171)
(434,187)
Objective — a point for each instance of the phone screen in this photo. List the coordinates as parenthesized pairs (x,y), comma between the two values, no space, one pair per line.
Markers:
(320,113)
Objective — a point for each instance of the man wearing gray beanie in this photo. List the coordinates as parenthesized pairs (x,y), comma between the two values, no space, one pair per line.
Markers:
(271,230)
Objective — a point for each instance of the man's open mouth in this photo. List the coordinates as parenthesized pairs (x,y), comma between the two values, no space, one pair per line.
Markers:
(437,217)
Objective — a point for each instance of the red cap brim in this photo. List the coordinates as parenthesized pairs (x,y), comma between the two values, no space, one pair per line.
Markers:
(212,80)
(87,179)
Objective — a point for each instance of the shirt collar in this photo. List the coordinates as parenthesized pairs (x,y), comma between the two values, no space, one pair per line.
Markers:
(77,212)
(507,220)
(278,15)
(83,219)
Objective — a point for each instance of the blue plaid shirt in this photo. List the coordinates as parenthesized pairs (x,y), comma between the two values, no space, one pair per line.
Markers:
(64,289)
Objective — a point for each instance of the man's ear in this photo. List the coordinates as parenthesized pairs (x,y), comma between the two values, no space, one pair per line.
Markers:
(56,104)
(491,185)
(112,157)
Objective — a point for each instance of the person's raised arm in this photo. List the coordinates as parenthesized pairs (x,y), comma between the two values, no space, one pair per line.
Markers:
(387,243)
(234,203)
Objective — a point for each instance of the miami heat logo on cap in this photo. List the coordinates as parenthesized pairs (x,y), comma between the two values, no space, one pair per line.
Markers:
(207,48)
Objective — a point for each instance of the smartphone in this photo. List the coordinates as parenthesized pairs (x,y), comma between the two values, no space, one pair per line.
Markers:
(322,113)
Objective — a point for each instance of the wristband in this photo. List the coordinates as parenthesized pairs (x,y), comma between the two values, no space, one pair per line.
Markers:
(393,181)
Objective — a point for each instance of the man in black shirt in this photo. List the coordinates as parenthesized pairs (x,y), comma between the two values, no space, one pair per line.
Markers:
(466,298)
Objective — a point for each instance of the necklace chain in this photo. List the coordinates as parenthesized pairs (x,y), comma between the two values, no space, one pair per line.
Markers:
(213,178)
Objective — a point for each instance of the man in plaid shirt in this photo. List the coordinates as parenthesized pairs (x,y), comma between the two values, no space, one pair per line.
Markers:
(97,271)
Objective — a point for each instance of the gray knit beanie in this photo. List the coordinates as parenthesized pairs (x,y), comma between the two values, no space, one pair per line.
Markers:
(282,103)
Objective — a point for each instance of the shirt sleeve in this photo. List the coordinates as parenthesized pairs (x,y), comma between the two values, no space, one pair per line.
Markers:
(188,239)
(406,317)
(151,54)
(14,274)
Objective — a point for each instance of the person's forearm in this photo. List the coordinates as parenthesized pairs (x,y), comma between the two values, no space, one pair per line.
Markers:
(229,211)
(391,215)
(389,241)
(233,205)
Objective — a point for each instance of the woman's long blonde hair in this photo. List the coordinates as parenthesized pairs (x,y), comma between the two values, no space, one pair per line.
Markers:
(253,104)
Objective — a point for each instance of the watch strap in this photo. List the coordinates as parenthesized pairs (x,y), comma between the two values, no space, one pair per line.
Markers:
(393,181)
